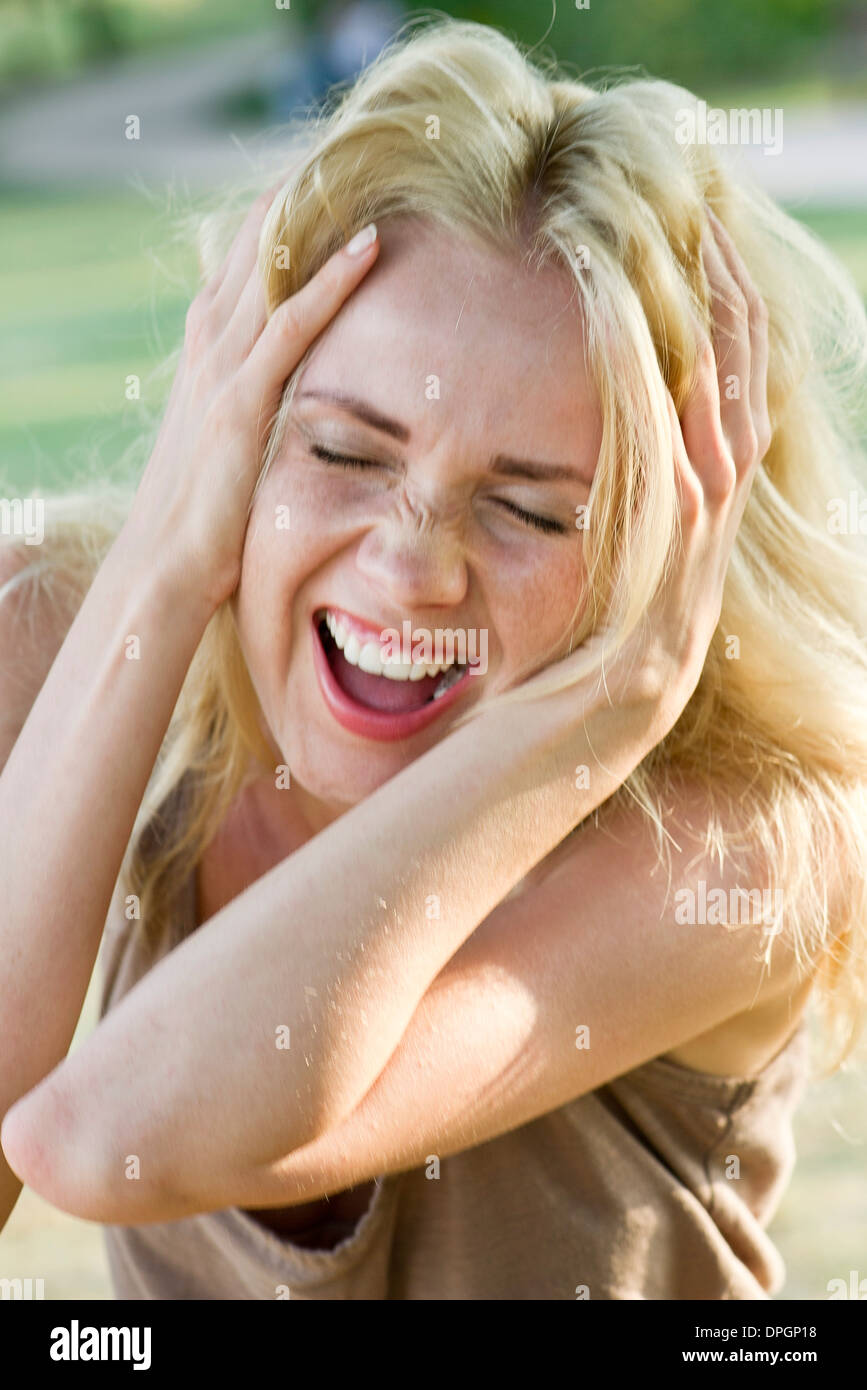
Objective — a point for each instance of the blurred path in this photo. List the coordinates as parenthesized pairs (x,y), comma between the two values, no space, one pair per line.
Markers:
(823,160)
(74,133)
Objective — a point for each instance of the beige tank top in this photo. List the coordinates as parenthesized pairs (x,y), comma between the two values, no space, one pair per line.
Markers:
(629,1192)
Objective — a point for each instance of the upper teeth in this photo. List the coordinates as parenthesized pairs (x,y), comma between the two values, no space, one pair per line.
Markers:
(366,656)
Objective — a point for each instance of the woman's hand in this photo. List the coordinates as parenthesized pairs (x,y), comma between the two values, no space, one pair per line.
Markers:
(717,444)
(723,436)
(195,492)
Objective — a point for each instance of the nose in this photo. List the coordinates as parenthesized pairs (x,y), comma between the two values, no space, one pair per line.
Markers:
(415,554)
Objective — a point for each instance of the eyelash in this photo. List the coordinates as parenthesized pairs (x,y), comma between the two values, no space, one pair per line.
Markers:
(539,523)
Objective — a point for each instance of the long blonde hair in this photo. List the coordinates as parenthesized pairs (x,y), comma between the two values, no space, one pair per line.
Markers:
(454,124)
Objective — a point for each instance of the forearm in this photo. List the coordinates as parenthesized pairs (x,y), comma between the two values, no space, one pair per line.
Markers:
(379,903)
(337,944)
(69,794)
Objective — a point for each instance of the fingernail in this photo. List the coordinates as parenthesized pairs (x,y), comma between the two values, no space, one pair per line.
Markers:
(361,240)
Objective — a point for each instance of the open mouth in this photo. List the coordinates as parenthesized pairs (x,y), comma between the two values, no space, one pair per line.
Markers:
(388,689)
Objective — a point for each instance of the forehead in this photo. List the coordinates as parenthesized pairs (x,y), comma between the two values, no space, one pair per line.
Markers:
(506,342)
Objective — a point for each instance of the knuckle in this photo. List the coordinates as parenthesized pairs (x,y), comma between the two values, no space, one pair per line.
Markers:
(691,497)
(197,320)
(744,443)
(204,380)
(764,436)
(718,473)
(737,303)
(721,483)
(221,413)
(726,479)
(292,318)
(706,357)
(649,687)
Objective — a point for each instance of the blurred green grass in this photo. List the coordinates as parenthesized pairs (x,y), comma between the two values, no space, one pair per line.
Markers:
(93,289)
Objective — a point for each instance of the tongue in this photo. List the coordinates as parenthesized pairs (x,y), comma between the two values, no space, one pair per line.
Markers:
(378,692)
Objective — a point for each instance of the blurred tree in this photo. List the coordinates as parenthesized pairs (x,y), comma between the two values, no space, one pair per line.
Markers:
(677,39)
(99,33)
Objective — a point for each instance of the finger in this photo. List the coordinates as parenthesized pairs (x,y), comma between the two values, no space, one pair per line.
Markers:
(701,426)
(731,338)
(248,314)
(758,323)
(758,373)
(216,280)
(300,319)
(695,572)
(689,489)
(248,319)
(240,259)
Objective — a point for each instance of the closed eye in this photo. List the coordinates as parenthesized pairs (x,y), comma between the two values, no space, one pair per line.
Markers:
(344,460)
(539,523)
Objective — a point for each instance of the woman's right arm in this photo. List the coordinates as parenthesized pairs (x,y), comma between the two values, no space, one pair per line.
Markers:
(77,773)
(70,790)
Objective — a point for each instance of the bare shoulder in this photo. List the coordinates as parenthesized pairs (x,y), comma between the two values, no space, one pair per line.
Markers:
(613,867)
(744,1044)
(38,602)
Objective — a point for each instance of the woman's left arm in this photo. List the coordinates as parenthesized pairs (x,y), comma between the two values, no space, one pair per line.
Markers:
(560,990)
(189,1083)
(273,1020)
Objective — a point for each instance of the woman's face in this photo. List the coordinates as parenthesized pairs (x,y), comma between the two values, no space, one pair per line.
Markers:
(446,358)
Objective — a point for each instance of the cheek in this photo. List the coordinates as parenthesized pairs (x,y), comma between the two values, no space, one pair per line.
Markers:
(294,531)
(536,610)
(286,536)
(301,515)
(263,601)
(315,499)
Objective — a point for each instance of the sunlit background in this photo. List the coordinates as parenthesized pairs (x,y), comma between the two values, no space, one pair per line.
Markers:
(95,281)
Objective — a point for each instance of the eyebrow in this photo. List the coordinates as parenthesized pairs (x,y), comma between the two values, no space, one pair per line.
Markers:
(502,463)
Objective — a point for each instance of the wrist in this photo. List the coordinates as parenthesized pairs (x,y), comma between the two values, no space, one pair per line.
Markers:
(579,737)
(165,572)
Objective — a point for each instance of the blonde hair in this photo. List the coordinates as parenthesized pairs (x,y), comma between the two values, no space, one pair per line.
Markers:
(455,125)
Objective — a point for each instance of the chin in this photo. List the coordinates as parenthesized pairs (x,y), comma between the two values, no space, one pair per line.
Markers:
(332,770)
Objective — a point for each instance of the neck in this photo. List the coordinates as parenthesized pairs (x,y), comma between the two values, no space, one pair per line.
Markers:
(289,811)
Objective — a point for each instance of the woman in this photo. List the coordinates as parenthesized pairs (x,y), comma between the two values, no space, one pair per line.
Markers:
(398,1001)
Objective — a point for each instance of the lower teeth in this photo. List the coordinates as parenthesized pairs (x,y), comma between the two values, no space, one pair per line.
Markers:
(450,678)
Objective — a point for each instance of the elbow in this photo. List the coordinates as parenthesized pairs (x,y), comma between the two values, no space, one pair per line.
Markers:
(41,1146)
(76,1166)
